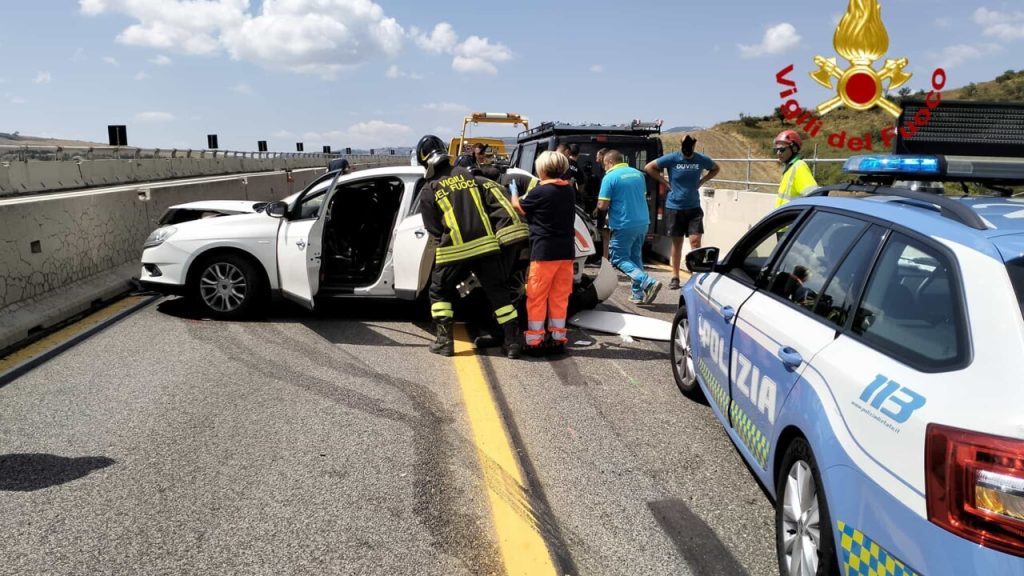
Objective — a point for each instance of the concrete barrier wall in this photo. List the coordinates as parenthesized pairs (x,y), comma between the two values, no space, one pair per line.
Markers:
(32,176)
(728,214)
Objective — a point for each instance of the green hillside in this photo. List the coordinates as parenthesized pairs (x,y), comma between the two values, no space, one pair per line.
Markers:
(759,131)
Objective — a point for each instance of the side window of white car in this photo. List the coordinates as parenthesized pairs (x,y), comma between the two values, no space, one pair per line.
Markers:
(813,256)
(911,309)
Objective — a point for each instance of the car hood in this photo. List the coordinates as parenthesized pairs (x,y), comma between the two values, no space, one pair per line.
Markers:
(226,206)
(232,226)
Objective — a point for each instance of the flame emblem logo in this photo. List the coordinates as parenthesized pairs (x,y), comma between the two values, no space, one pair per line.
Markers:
(861,39)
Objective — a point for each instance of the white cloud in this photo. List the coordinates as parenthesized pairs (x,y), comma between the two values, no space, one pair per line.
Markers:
(307,36)
(161,60)
(441,40)
(943,22)
(111,60)
(475,54)
(141,75)
(16,99)
(154,117)
(597,68)
(42,78)
(479,55)
(394,73)
(953,56)
(446,107)
(283,135)
(777,40)
(1002,25)
(242,88)
(372,134)
(79,55)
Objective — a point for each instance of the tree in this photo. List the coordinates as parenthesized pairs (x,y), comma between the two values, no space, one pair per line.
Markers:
(905,91)
(971,90)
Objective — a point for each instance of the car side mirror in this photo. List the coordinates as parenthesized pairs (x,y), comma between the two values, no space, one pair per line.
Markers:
(702,259)
(277,209)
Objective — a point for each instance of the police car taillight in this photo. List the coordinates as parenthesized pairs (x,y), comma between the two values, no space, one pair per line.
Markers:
(974,485)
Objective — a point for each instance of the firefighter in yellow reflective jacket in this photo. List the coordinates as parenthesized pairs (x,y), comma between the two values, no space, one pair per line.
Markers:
(797,178)
(456,210)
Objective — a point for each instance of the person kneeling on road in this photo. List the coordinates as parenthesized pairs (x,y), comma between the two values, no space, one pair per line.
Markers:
(624,196)
(455,214)
(551,214)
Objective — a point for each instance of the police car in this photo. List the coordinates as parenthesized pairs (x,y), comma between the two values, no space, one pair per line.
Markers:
(861,348)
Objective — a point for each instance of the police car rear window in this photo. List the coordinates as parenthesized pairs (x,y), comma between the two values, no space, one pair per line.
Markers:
(1015,268)
(912,308)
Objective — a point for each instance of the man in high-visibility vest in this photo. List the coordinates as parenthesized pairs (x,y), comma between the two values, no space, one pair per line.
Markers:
(797,178)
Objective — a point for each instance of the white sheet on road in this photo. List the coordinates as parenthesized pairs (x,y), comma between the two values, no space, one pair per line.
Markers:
(623,324)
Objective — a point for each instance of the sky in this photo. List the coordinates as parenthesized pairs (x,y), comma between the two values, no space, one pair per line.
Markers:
(373,74)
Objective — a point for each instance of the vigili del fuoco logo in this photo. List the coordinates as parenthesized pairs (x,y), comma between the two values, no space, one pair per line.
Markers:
(860,38)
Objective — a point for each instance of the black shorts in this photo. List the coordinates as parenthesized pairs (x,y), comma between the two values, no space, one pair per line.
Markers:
(685,222)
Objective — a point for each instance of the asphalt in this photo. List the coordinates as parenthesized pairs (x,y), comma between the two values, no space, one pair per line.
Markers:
(333,443)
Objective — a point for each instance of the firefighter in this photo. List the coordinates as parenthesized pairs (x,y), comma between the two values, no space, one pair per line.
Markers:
(797,178)
(456,209)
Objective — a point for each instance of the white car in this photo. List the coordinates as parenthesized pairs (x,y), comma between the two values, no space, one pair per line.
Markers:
(357,235)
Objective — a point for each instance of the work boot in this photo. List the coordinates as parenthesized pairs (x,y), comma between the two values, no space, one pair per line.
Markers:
(513,346)
(444,344)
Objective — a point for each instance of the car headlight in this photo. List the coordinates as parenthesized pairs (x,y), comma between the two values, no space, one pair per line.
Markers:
(159,236)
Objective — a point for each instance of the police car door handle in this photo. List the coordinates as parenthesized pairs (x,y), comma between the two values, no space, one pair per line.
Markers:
(728,312)
(791,359)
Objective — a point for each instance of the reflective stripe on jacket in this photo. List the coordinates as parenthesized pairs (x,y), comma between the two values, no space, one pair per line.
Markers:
(457,214)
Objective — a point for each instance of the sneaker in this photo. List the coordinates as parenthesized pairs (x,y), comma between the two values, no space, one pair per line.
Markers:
(635,300)
(651,292)
(673,284)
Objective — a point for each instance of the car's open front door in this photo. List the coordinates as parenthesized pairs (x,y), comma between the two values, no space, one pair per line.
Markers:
(300,245)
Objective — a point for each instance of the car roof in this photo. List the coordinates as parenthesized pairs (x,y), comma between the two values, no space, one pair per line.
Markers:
(998,213)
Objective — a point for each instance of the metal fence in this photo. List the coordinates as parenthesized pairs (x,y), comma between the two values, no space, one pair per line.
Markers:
(753,185)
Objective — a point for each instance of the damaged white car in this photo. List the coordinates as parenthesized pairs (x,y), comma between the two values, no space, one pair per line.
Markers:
(351,236)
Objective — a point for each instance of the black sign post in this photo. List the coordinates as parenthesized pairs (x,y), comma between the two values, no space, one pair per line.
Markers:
(262,145)
(118,135)
(327,149)
(211,141)
(298,146)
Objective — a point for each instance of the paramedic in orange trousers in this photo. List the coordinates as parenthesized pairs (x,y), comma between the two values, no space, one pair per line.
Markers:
(551,214)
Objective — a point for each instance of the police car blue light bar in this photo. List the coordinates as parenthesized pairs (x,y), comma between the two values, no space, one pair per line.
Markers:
(891,164)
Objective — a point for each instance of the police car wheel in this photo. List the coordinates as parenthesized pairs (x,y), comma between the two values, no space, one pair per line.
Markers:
(226,286)
(803,527)
(682,358)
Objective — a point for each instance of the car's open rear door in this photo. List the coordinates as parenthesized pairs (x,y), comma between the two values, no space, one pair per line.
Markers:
(413,257)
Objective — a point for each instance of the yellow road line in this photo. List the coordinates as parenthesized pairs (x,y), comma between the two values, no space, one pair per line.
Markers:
(658,266)
(43,345)
(523,549)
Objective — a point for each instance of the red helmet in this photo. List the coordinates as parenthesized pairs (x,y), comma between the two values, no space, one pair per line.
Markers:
(789,137)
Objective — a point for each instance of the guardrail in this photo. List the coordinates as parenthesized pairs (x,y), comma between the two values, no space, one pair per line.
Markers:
(22,153)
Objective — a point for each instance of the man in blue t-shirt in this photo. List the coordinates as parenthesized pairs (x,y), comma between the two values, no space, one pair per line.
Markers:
(624,196)
(682,207)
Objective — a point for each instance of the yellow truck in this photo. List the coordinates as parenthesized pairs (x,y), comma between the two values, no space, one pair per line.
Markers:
(499,155)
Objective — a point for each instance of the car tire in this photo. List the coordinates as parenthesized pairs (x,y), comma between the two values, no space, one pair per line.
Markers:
(227,286)
(683,368)
(803,527)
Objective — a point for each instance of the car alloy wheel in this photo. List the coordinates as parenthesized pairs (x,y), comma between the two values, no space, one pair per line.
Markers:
(682,357)
(223,287)
(803,528)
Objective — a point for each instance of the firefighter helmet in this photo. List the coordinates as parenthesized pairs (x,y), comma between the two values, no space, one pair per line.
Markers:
(430,152)
(789,137)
